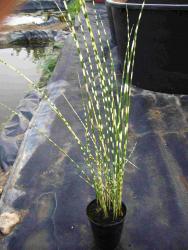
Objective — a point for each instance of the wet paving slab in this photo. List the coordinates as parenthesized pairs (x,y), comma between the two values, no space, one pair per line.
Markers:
(45,185)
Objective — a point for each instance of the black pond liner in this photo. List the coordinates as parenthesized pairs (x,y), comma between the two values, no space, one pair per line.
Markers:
(107,235)
(12,135)
(162,49)
(41,5)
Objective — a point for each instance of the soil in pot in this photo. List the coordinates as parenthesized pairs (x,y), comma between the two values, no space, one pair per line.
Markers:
(106,231)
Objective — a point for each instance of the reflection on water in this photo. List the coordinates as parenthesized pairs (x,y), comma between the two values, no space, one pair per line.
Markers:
(12,86)
(23,19)
(34,53)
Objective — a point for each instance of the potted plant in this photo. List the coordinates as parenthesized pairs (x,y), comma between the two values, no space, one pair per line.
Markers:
(106,132)
(106,104)
(161,63)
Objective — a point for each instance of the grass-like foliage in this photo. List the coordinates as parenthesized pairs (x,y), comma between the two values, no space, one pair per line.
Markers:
(106,105)
(106,108)
(74,8)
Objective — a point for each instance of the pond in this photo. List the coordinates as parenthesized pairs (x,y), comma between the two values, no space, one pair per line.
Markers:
(12,86)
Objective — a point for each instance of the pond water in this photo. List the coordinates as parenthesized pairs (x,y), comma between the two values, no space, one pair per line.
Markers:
(12,86)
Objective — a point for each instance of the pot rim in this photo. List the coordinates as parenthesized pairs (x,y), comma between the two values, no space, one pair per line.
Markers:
(148,6)
(110,224)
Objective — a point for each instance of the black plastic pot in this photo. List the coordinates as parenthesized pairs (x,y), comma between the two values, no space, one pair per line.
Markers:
(107,235)
(162,47)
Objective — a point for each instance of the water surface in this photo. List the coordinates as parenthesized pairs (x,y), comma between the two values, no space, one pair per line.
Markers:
(12,86)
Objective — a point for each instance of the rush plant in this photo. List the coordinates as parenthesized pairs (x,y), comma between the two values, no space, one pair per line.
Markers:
(106,105)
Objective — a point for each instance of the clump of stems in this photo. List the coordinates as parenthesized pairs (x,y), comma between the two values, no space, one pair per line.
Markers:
(106,105)
(106,111)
